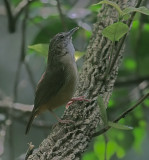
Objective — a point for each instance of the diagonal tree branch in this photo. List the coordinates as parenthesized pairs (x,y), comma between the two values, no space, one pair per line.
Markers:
(62,18)
(125,113)
(21,7)
(68,141)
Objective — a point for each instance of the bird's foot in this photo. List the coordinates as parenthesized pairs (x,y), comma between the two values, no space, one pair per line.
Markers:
(81,98)
(63,121)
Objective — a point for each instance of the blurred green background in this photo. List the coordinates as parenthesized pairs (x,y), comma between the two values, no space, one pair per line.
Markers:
(22,63)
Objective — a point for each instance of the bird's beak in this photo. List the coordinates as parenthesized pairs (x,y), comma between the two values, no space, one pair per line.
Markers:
(70,33)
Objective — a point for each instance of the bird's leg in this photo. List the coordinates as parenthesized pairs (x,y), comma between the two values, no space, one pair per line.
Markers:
(60,120)
(81,98)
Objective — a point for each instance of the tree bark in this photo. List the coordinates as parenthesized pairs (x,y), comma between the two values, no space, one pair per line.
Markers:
(68,141)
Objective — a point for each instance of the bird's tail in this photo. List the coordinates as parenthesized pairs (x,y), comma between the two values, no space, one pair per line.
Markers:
(30,123)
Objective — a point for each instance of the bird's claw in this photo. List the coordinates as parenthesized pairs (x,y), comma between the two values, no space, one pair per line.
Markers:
(81,98)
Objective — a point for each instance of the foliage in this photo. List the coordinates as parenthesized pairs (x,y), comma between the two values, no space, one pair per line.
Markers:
(117,30)
(104,118)
(42,49)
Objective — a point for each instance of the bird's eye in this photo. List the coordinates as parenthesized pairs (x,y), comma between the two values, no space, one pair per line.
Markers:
(61,36)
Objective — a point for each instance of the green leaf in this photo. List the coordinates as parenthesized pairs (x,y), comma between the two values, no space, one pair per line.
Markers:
(89,156)
(130,64)
(114,148)
(139,134)
(88,34)
(94,8)
(142,10)
(146,102)
(111,103)
(99,147)
(103,111)
(78,54)
(119,126)
(41,49)
(126,17)
(113,4)
(115,31)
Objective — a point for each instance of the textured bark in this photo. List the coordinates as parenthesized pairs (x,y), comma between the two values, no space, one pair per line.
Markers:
(68,141)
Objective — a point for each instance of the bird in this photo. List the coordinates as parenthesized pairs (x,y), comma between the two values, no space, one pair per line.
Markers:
(58,83)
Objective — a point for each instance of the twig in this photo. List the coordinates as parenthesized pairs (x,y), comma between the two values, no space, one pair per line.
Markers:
(10,135)
(22,109)
(11,21)
(22,56)
(30,150)
(110,61)
(22,53)
(122,115)
(115,58)
(16,81)
(21,7)
(8,104)
(61,15)
(23,48)
(23,43)
(123,39)
(31,77)
(132,108)
(21,60)
(12,18)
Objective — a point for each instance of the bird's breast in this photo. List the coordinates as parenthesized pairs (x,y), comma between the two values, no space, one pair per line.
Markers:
(67,90)
(71,79)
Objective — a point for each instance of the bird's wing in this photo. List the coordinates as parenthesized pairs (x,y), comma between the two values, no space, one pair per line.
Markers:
(48,86)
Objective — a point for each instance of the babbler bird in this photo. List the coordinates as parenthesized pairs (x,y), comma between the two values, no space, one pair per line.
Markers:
(57,85)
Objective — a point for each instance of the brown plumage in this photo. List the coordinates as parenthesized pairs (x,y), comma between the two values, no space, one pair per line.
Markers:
(58,83)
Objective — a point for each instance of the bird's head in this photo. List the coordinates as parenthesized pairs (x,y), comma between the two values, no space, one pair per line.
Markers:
(61,40)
